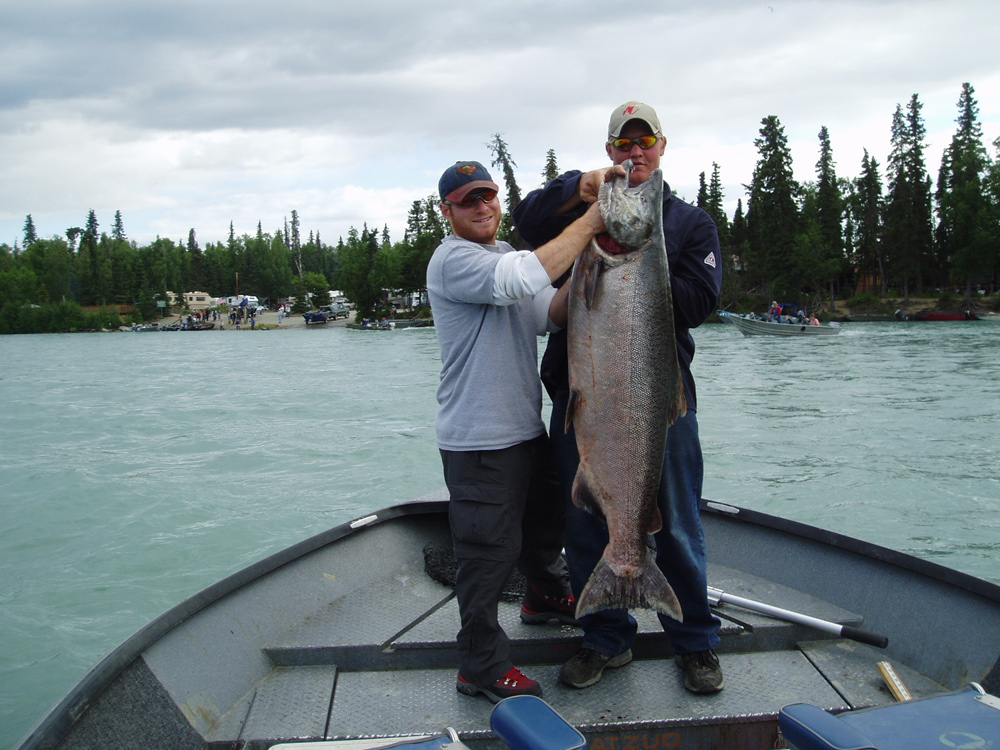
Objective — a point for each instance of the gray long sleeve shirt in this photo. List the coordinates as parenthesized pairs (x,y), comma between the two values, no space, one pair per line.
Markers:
(488,314)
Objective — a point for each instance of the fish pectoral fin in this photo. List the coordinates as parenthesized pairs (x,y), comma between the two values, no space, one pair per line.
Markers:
(645,588)
(655,522)
(574,399)
(583,496)
(680,405)
(592,273)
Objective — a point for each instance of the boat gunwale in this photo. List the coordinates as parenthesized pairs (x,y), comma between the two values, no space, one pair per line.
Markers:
(872,550)
(57,722)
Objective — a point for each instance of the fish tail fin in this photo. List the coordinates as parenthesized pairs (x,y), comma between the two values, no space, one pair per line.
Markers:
(646,588)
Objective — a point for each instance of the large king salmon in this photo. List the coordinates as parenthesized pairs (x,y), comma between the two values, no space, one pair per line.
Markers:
(625,392)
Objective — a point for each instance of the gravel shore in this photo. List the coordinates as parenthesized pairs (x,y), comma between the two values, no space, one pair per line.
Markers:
(268,321)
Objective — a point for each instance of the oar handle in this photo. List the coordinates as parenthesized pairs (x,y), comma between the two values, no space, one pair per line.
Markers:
(863,636)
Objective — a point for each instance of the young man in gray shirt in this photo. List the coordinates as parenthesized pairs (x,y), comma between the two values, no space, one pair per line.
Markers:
(490,304)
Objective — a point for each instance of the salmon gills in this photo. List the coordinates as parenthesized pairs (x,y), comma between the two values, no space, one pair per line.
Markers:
(625,392)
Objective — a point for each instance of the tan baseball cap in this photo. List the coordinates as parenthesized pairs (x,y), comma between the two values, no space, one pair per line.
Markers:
(633,111)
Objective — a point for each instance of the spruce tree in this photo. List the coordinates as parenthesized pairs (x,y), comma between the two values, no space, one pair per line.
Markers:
(551,170)
(992,188)
(965,240)
(716,208)
(702,200)
(502,158)
(830,215)
(293,242)
(908,229)
(89,261)
(30,235)
(866,210)
(772,213)
(118,229)
(414,221)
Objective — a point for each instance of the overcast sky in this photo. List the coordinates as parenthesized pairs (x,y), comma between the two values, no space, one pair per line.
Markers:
(197,113)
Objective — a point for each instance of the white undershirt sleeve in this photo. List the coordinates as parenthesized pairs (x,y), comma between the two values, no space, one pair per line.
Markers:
(518,275)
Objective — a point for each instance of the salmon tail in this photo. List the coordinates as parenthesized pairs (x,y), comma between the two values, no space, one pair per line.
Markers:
(646,588)
(583,497)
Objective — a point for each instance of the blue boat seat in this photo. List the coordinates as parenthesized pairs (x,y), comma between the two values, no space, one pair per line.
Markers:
(526,722)
(969,718)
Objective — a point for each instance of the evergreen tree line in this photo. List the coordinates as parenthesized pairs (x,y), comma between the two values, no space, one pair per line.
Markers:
(883,232)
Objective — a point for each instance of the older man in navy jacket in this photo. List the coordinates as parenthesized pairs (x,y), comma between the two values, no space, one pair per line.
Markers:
(695,262)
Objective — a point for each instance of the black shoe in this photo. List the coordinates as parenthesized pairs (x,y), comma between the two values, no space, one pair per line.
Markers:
(702,673)
(512,683)
(537,608)
(587,666)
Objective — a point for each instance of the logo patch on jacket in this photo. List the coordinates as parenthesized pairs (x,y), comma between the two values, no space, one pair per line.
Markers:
(710,260)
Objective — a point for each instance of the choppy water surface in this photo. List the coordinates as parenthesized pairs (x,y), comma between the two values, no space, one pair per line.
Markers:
(138,469)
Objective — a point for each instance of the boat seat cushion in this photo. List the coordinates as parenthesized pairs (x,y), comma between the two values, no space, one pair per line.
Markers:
(969,718)
(526,722)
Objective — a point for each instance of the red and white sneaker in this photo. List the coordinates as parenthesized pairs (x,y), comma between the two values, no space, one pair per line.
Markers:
(512,683)
(538,609)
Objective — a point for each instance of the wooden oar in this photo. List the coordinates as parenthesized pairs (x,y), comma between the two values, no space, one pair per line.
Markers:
(716,596)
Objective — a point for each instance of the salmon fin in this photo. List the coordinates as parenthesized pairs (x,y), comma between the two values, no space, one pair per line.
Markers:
(655,522)
(593,271)
(680,405)
(646,588)
(583,497)
(574,399)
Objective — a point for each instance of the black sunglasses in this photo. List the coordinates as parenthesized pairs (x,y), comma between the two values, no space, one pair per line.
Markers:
(486,196)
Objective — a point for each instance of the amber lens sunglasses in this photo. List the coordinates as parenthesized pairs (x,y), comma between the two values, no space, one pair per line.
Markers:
(486,196)
(625,144)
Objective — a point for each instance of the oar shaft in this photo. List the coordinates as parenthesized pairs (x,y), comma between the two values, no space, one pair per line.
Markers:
(845,631)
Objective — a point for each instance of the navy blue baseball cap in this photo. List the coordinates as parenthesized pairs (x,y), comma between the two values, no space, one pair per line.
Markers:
(462,178)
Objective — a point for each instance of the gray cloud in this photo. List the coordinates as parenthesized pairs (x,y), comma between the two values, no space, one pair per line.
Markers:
(215,111)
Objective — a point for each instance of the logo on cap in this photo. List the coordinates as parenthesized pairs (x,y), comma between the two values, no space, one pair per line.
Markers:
(468,170)
(629,110)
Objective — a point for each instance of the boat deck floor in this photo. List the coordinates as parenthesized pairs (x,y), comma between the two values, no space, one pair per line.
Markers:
(356,664)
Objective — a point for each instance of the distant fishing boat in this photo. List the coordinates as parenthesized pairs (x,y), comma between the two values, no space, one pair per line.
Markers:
(751,325)
(989,317)
(372,325)
(315,317)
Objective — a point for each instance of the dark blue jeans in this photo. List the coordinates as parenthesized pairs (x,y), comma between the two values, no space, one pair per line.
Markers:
(680,544)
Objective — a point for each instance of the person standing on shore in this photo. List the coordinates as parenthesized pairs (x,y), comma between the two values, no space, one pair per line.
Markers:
(692,241)
(490,304)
